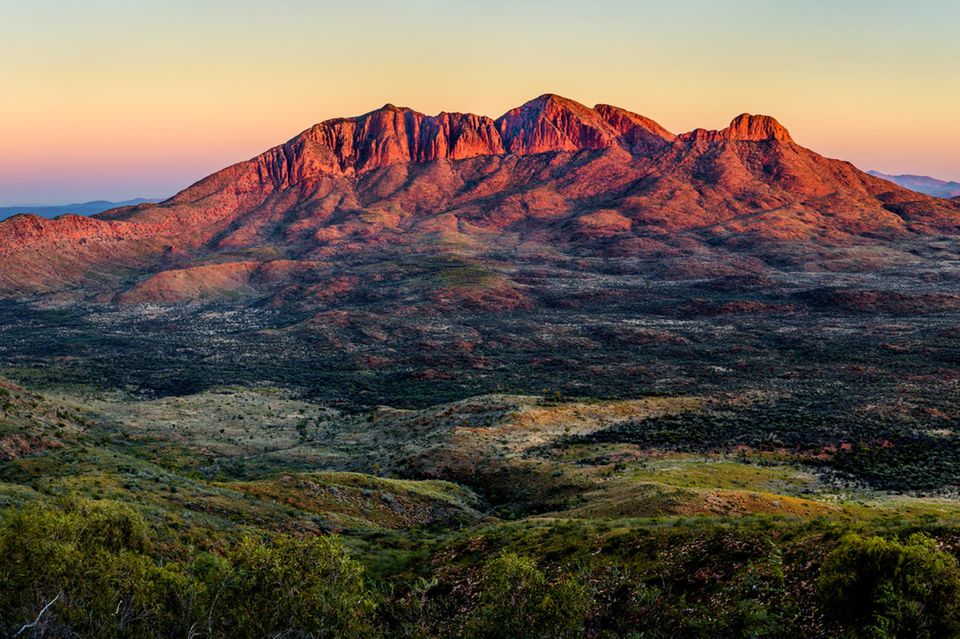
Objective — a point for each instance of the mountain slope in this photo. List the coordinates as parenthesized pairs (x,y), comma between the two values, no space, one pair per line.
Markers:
(552,179)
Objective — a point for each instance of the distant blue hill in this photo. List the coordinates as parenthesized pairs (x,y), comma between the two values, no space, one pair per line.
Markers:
(922,184)
(85,208)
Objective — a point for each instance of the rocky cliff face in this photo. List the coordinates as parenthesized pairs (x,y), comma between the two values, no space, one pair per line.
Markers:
(549,178)
(394,135)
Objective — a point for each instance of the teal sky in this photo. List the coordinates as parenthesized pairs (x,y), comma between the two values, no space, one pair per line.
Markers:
(109,99)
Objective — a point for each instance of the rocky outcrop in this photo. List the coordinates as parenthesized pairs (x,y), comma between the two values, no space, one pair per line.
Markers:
(754,128)
(743,128)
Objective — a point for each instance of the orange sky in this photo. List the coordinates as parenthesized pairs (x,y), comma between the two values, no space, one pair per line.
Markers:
(111,99)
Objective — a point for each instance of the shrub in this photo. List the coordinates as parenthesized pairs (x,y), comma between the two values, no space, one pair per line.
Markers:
(103,576)
(887,589)
(518,602)
(89,560)
(293,587)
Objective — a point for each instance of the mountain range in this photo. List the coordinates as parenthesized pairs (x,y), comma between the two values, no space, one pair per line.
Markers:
(923,184)
(82,208)
(548,182)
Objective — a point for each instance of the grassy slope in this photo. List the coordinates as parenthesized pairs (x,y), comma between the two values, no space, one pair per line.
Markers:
(433,493)
(261,457)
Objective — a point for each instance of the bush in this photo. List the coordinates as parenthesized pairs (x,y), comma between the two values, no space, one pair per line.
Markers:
(89,559)
(518,602)
(885,589)
(293,587)
(103,576)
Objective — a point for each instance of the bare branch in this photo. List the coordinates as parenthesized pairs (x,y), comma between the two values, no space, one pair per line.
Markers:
(39,616)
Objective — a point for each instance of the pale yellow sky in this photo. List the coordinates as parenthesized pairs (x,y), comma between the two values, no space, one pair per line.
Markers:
(111,99)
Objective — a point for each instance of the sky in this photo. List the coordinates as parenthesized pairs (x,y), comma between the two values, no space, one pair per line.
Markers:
(114,99)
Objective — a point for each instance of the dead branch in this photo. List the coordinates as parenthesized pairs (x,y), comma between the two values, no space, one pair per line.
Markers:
(39,616)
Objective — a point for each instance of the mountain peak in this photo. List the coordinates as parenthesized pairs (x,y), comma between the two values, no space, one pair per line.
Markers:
(552,100)
(745,127)
(624,120)
(391,107)
(553,123)
(756,128)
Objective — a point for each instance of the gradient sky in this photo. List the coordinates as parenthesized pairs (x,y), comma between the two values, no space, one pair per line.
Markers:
(115,99)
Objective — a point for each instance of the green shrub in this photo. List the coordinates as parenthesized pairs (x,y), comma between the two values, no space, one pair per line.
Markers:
(103,576)
(89,559)
(293,587)
(518,602)
(887,589)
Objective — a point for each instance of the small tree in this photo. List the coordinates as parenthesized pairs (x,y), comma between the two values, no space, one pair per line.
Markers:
(886,589)
(518,602)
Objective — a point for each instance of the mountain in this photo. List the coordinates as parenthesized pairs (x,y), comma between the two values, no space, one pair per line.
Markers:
(84,208)
(922,184)
(552,181)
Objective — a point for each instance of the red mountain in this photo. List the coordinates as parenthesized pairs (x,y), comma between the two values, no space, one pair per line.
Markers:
(550,181)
